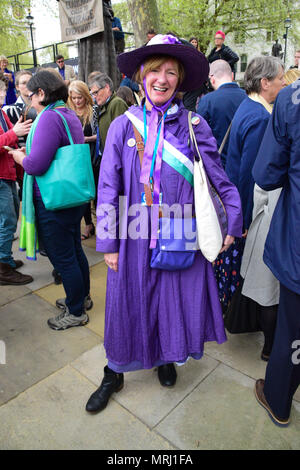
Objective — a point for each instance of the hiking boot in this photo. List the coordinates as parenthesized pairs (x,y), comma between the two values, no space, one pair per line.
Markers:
(10,277)
(111,383)
(88,303)
(66,320)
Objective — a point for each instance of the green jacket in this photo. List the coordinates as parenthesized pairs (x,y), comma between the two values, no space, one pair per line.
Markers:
(108,112)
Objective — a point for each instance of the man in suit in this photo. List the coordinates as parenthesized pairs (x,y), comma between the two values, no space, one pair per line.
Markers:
(277,166)
(219,106)
(66,71)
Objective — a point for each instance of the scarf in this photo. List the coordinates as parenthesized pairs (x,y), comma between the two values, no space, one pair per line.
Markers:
(259,99)
(154,143)
(28,232)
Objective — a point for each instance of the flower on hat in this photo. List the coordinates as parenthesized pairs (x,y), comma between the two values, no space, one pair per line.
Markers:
(163,39)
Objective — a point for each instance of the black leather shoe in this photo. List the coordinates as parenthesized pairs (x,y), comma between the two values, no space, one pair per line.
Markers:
(57,277)
(167,375)
(112,382)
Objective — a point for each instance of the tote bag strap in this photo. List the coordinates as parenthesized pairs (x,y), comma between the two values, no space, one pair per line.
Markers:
(225,139)
(195,144)
(140,149)
(192,135)
(66,127)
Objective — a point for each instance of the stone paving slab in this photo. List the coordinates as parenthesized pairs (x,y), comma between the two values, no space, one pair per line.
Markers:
(142,394)
(51,415)
(33,350)
(242,352)
(10,293)
(222,413)
(98,290)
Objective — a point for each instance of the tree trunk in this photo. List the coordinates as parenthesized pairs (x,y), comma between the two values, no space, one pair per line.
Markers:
(144,16)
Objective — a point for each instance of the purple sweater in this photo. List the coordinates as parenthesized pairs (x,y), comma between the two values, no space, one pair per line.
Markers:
(50,134)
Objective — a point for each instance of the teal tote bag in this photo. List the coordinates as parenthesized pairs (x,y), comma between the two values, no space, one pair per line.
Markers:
(69,181)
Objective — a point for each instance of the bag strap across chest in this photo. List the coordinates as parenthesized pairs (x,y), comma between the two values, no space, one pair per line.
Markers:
(140,148)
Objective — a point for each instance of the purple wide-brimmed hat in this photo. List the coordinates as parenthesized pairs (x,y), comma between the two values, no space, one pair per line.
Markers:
(195,64)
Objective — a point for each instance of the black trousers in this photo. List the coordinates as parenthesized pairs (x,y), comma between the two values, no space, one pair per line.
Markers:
(283,370)
(60,235)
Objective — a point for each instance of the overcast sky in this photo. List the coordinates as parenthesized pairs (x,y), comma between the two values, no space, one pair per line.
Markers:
(47,27)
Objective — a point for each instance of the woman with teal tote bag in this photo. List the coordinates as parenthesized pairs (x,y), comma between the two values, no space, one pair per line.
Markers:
(55,128)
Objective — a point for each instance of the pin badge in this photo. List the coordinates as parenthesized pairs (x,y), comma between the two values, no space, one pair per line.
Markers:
(131,142)
(195,120)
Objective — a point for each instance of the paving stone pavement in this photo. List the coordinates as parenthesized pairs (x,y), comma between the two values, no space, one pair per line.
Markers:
(49,375)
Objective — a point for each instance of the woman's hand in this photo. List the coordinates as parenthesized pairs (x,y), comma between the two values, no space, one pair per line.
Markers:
(227,242)
(18,155)
(8,76)
(91,138)
(112,260)
(22,128)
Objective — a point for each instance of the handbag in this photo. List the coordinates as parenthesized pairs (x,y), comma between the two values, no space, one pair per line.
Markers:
(211,217)
(177,242)
(176,246)
(69,181)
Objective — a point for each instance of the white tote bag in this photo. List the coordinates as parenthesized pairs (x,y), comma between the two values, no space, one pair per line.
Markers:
(209,233)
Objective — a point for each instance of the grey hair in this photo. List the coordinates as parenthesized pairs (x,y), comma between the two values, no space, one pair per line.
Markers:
(261,67)
(220,68)
(101,80)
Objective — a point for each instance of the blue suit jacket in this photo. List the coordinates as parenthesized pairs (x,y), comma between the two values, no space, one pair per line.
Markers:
(248,128)
(218,109)
(11,96)
(278,165)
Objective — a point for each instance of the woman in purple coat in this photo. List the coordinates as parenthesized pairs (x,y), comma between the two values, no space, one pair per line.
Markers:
(58,230)
(154,317)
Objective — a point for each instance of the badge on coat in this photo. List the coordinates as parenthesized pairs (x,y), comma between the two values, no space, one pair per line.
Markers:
(195,120)
(131,142)
(143,199)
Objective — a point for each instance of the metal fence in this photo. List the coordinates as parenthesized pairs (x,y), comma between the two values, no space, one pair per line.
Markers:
(17,63)
(20,61)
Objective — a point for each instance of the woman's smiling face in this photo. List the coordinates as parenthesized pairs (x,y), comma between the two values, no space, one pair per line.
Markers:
(162,82)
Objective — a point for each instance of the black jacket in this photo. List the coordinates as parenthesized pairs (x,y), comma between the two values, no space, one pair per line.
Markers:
(225,53)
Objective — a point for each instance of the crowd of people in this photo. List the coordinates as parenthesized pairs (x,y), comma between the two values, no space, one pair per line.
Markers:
(142,154)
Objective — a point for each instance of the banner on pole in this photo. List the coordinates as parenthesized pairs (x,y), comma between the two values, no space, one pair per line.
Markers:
(80,18)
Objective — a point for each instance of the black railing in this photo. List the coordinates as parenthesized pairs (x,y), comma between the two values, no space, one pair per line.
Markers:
(17,63)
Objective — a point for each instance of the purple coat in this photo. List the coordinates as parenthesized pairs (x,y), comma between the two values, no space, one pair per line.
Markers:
(154,317)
